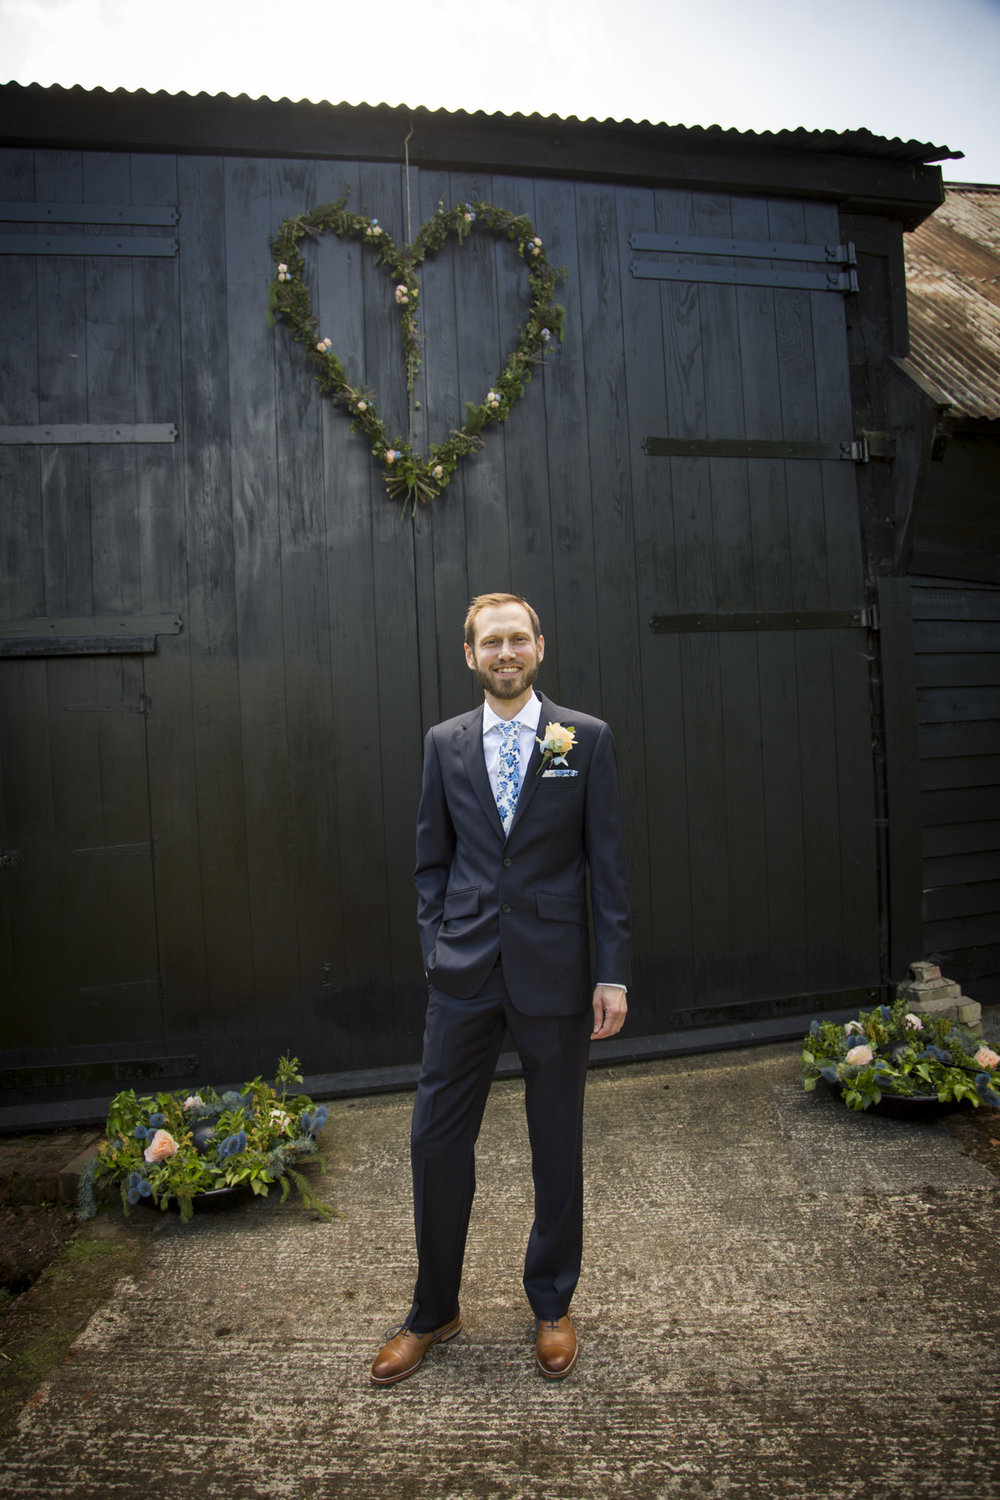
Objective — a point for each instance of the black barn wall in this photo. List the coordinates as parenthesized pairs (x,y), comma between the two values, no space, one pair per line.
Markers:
(215,832)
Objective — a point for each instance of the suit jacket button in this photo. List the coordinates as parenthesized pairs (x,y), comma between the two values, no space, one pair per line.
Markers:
(505,907)
(508,861)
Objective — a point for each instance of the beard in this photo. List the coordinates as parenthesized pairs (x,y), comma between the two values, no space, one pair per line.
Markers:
(507,687)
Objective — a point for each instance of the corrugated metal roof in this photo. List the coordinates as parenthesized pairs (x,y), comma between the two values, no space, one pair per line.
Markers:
(953,295)
(858,142)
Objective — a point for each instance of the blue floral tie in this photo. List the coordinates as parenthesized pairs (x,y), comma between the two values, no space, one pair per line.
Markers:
(508,773)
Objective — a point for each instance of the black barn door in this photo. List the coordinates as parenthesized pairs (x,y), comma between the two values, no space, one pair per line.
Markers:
(754,641)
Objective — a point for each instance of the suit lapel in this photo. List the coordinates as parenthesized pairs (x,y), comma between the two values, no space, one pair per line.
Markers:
(534,764)
(470,748)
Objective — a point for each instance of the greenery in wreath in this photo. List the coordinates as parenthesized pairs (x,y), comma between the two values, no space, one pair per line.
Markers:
(174,1147)
(411,476)
(892,1051)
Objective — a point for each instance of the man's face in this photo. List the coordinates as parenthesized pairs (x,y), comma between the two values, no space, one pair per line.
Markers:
(506,656)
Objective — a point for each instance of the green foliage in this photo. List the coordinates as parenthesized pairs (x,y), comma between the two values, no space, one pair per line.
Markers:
(889,1051)
(155,1146)
(410,476)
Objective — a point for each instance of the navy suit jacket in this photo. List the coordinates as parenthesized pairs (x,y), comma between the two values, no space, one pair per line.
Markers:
(523,897)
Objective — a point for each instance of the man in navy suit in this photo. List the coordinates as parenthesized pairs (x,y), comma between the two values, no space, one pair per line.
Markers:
(519,803)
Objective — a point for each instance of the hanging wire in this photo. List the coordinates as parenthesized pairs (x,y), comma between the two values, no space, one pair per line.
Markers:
(409,241)
(406,153)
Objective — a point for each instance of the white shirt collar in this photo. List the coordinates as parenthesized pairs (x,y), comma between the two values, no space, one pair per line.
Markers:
(528,716)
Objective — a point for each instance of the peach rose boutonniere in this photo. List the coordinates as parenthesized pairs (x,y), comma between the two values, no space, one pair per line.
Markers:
(556,745)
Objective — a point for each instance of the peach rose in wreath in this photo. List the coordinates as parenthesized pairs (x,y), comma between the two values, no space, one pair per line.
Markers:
(160,1147)
(987,1058)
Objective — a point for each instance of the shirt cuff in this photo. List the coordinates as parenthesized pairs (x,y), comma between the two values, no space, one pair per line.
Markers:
(608,985)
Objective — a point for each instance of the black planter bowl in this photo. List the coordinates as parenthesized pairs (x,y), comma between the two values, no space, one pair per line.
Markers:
(907,1106)
(201,1203)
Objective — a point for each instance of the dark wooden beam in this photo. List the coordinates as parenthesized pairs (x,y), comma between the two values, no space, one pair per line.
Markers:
(607,151)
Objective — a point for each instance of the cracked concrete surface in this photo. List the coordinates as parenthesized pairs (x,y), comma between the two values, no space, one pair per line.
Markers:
(779,1299)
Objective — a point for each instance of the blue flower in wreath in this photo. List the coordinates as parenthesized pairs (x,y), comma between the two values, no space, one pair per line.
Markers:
(985,1092)
(141,1133)
(138,1187)
(157,1122)
(233,1145)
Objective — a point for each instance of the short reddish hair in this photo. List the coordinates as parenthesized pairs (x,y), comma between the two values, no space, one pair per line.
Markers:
(491,601)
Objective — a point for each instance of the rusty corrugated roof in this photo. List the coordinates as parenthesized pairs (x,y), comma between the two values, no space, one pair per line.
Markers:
(953,295)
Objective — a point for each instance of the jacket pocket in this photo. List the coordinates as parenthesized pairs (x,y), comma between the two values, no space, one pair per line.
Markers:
(554,907)
(461,904)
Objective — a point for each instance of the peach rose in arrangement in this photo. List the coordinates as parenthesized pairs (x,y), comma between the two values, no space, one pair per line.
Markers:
(858,1057)
(160,1147)
(987,1058)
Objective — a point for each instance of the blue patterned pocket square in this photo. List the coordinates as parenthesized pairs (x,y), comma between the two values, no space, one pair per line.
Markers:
(565,771)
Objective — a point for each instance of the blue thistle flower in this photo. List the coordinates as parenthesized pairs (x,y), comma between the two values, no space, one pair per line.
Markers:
(157,1121)
(145,1188)
(134,1179)
(829,1072)
(985,1092)
(814,1028)
(141,1133)
(305,1120)
(133,1195)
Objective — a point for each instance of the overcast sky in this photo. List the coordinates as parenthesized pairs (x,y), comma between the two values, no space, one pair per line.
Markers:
(924,70)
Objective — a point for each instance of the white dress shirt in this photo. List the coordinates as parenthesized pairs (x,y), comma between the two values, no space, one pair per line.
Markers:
(492,724)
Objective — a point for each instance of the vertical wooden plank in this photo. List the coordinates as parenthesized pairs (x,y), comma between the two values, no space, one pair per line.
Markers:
(22,579)
(859,853)
(124,947)
(23,713)
(545,464)
(835,421)
(73,748)
(257,563)
(316,871)
(693,562)
(762,418)
(665,974)
(397,684)
(743,779)
(823,809)
(612,462)
(210,629)
(439,528)
(163,553)
(356,1000)
(902,775)
(110,363)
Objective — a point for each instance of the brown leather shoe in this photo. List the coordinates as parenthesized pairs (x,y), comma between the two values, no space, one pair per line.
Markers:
(556,1347)
(404,1351)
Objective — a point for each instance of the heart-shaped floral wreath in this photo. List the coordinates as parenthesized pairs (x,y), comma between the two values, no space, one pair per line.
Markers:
(412,476)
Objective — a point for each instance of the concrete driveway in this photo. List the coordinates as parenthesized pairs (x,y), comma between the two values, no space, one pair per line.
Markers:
(779,1299)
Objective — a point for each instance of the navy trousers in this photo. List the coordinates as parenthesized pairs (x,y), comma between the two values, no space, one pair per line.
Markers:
(462,1040)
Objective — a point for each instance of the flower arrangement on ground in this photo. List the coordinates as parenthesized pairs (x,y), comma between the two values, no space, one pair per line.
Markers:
(175,1147)
(892,1051)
